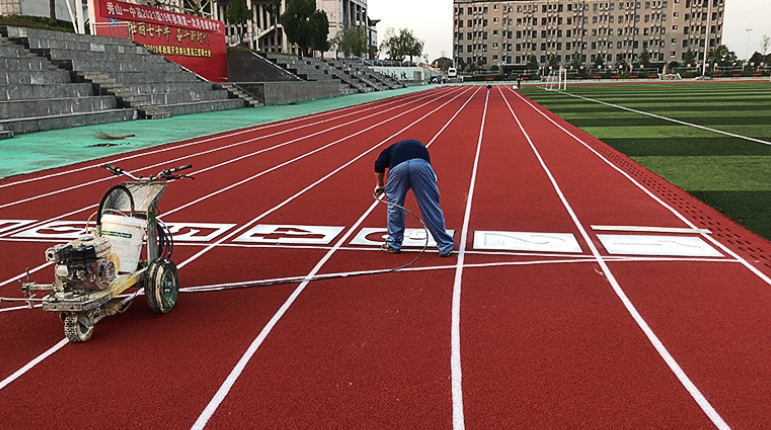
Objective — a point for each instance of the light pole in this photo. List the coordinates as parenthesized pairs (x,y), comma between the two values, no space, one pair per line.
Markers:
(749,31)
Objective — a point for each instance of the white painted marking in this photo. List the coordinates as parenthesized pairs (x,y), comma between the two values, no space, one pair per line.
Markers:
(55,230)
(10,224)
(650,229)
(197,232)
(413,237)
(225,388)
(676,121)
(657,245)
(521,241)
(201,422)
(19,373)
(300,234)
(456,372)
(654,197)
(673,365)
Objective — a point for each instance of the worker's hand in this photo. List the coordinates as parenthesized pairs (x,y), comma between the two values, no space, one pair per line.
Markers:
(379,191)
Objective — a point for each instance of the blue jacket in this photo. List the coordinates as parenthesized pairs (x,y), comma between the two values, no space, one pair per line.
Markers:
(400,152)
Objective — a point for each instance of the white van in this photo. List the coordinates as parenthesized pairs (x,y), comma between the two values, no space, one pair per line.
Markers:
(452,72)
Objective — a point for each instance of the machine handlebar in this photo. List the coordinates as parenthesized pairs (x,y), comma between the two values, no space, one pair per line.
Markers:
(162,175)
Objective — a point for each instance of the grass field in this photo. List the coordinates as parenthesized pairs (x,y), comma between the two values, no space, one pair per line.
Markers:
(728,172)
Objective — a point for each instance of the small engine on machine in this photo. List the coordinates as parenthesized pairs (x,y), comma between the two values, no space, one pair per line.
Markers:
(83,264)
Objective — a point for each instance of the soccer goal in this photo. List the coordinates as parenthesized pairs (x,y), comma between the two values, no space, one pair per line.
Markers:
(558,78)
(670,77)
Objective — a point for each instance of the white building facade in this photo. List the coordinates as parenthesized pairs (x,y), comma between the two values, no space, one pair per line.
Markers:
(509,32)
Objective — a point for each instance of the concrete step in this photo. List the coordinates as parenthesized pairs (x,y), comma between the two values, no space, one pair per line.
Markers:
(42,77)
(12,51)
(130,78)
(178,97)
(24,92)
(141,67)
(55,122)
(204,106)
(164,87)
(60,54)
(55,106)
(24,63)
(64,36)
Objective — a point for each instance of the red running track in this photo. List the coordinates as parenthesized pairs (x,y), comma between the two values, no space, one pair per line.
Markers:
(490,338)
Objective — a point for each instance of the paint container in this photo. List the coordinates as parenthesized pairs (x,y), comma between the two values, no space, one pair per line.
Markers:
(126,235)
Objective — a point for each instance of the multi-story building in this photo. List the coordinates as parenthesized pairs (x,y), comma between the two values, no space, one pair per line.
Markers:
(262,32)
(265,33)
(510,32)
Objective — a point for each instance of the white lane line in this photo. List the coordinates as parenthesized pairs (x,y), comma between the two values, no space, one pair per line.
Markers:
(309,187)
(198,141)
(650,229)
(245,284)
(230,381)
(10,233)
(716,419)
(19,373)
(274,168)
(458,419)
(186,157)
(650,194)
(676,121)
(42,357)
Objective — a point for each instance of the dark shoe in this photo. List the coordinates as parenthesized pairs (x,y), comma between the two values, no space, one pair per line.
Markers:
(387,248)
(449,254)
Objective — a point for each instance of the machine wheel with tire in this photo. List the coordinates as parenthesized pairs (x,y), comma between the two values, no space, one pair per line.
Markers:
(161,285)
(78,327)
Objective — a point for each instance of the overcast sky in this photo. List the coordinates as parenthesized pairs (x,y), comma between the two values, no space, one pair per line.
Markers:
(431,22)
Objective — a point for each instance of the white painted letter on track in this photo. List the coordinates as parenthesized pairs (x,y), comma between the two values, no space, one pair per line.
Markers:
(297,234)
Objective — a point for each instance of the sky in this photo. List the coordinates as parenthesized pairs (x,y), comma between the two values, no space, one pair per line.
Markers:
(431,22)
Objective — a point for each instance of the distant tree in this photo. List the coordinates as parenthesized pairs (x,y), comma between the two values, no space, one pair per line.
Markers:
(756,59)
(372,51)
(494,68)
(305,26)
(353,41)
(443,63)
(722,56)
(689,58)
(532,63)
(320,33)
(553,62)
(412,46)
(599,61)
(575,61)
(645,58)
(396,47)
(391,46)
(237,14)
(621,64)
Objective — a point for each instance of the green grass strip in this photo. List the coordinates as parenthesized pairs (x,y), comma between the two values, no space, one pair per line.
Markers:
(731,174)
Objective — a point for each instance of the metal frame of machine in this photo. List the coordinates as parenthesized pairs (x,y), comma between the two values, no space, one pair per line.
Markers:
(88,277)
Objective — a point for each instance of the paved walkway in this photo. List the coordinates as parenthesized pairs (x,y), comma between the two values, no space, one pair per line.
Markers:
(32,152)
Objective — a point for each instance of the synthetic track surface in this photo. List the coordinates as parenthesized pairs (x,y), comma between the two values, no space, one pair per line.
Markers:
(489,338)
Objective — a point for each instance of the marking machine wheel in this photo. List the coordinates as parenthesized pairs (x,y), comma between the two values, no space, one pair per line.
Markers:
(78,327)
(161,285)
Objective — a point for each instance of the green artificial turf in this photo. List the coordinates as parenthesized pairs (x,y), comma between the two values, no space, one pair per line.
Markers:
(731,174)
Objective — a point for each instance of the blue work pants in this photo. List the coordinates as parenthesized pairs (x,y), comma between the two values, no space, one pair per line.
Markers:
(417,175)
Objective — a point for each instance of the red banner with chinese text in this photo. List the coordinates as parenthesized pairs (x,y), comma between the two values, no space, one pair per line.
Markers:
(195,43)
